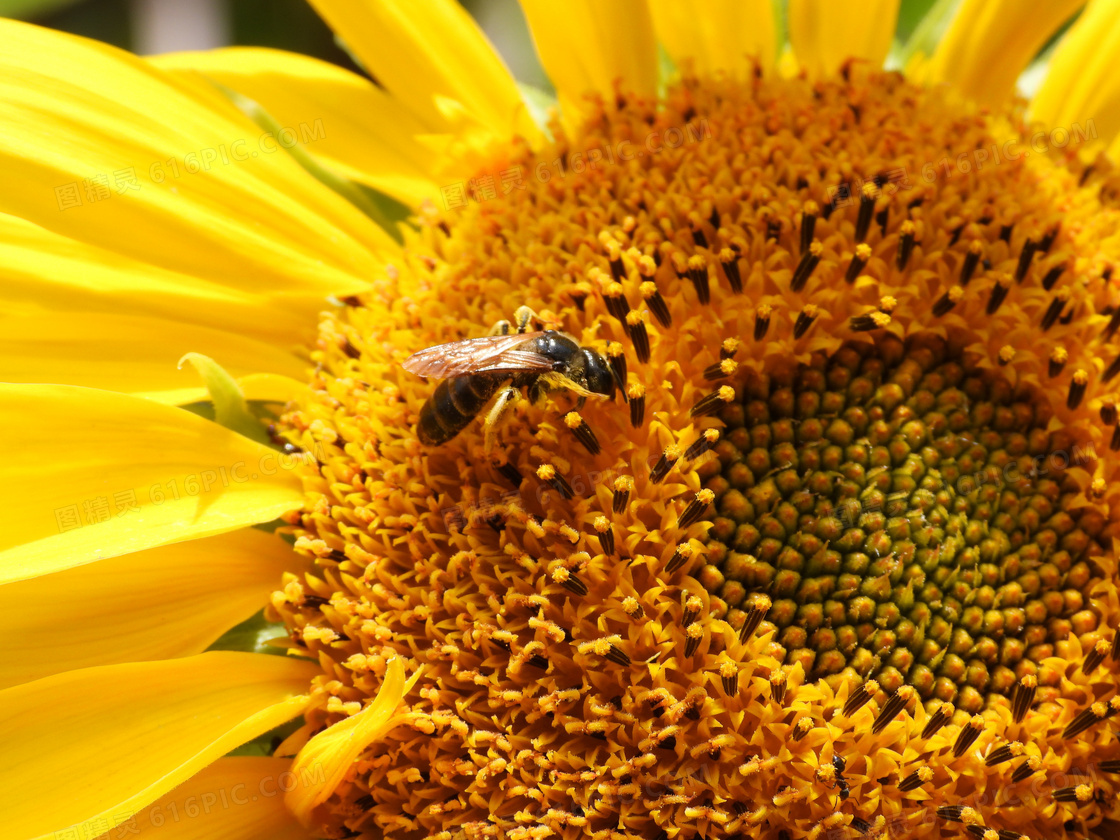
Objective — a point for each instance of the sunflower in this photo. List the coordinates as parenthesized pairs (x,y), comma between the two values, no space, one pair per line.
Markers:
(835,557)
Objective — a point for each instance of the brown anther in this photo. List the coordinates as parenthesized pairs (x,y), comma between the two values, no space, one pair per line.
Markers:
(950,812)
(1058,358)
(1006,355)
(548,474)
(708,439)
(574,421)
(937,720)
(1089,717)
(698,237)
(1051,276)
(713,402)
(802,727)
(632,607)
(905,244)
(509,471)
(636,324)
(1030,247)
(729,675)
(762,321)
(1026,769)
(729,348)
(755,613)
(1077,794)
(623,485)
(636,394)
(721,370)
(1054,310)
(998,295)
(664,464)
(867,197)
(694,634)
(1004,753)
(1112,325)
(870,321)
(916,779)
(1112,369)
(947,301)
(729,261)
(858,263)
(778,682)
(971,260)
(968,735)
(616,357)
(681,555)
(809,261)
(692,607)
(615,300)
(859,697)
(698,274)
(1108,413)
(895,704)
(614,256)
(805,319)
(695,510)
(605,530)
(1022,696)
(808,223)
(656,303)
(1077,388)
(567,579)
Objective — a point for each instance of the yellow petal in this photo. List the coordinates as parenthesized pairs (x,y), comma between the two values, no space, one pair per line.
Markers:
(426,52)
(1082,86)
(130,353)
(333,751)
(233,799)
(102,147)
(98,474)
(156,604)
(84,750)
(44,272)
(825,33)
(371,136)
(990,42)
(722,35)
(589,47)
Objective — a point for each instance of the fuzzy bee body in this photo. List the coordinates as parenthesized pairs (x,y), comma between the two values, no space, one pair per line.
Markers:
(479,371)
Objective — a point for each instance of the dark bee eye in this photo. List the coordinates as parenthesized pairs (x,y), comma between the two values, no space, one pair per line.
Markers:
(600,379)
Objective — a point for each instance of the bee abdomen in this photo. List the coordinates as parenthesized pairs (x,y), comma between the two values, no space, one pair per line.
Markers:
(452,406)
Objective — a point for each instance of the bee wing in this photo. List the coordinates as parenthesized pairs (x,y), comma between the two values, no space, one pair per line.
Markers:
(477,355)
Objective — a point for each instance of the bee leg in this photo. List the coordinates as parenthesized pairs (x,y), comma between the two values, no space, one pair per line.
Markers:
(499,407)
(558,381)
(522,317)
(501,328)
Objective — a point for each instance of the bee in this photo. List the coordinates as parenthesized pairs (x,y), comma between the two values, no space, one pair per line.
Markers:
(487,374)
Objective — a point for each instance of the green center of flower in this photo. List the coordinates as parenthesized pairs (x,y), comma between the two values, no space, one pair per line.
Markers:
(906,516)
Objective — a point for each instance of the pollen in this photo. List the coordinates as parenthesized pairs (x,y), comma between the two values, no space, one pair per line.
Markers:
(838,552)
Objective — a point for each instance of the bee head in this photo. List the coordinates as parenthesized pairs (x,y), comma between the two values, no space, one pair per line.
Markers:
(598,373)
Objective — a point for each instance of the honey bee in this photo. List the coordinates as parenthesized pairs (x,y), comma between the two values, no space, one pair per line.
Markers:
(487,374)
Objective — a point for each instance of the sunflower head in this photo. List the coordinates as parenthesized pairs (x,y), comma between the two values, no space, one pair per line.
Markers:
(763,482)
(842,556)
